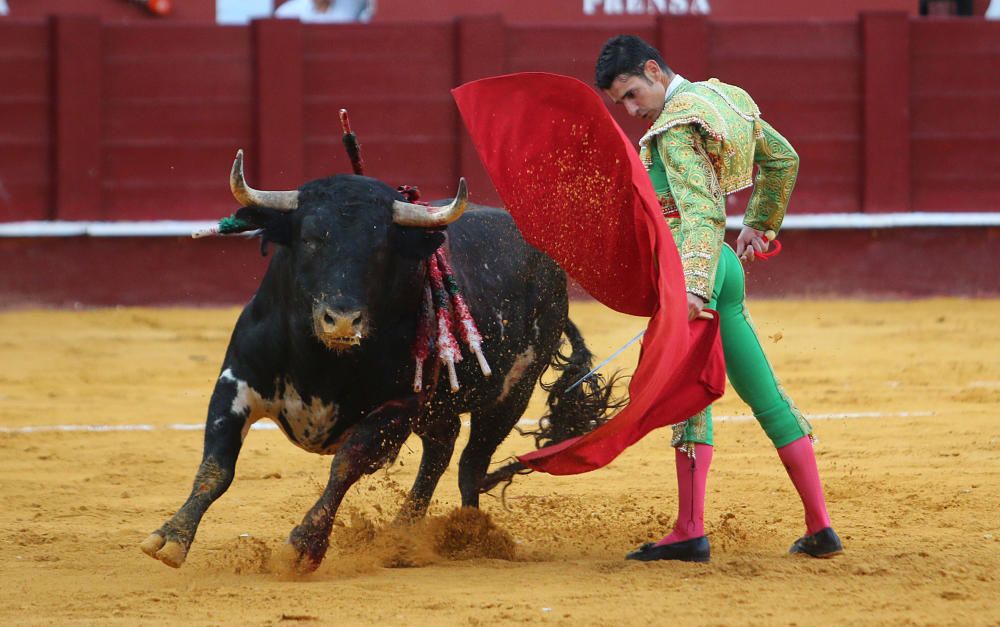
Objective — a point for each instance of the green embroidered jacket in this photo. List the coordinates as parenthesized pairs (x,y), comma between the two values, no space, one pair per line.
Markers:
(702,147)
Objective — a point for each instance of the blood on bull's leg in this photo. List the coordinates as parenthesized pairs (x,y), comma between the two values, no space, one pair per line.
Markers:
(374,443)
(224,433)
(438,435)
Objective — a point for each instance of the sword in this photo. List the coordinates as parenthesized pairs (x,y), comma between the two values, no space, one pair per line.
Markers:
(602,364)
(702,316)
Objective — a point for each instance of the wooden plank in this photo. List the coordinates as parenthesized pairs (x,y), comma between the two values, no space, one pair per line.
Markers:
(790,77)
(129,43)
(683,41)
(163,78)
(931,38)
(371,76)
(960,114)
(76,177)
(886,111)
(374,115)
(171,121)
(383,42)
(278,92)
(785,39)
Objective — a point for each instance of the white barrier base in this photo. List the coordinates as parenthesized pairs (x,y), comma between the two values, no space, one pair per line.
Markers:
(182,228)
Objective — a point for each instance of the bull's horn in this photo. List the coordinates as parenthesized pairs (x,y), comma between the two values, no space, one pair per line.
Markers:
(250,197)
(409,214)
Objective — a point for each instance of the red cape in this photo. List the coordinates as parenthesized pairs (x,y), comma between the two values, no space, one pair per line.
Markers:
(576,189)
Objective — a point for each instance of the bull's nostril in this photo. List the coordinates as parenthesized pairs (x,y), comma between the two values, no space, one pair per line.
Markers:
(357,321)
(328,318)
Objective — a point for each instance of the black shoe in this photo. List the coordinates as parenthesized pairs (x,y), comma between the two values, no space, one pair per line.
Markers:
(823,543)
(694,550)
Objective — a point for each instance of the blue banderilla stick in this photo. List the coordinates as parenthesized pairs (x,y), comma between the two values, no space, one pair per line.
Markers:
(601,365)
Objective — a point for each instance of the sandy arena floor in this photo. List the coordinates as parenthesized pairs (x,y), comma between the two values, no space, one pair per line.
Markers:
(906,397)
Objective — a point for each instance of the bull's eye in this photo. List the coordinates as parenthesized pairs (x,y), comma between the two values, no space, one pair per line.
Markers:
(313,234)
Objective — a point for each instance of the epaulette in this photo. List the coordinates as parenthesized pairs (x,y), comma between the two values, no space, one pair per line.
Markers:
(694,106)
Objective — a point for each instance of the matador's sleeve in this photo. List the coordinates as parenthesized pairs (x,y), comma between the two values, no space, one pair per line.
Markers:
(700,202)
(778,165)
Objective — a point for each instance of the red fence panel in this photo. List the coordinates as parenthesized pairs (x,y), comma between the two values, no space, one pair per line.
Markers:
(955,99)
(806,78)
(571,51)
(141,120)
(25,120)
(395,81)
(177,102)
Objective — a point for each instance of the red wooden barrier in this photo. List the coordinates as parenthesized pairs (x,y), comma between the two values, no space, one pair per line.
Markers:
(177,103)
(279,73)
(25,120)
(113,10)
(395,81)
(806,78)
(77,172)
(886,44)
(481,52)
(218,271)
(955,126)
(141,120)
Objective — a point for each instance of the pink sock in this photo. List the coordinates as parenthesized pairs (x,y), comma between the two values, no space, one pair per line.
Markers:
(692,476)
(800,462)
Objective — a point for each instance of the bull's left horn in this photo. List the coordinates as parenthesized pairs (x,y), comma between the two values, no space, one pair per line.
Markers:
(409,214)
(250,197)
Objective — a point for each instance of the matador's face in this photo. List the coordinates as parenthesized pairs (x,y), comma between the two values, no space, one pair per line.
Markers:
(642,96)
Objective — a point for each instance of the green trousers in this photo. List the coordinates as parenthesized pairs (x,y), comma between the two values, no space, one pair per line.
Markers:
(747,367)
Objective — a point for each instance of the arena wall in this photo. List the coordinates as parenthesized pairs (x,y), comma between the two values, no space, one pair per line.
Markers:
(124,122)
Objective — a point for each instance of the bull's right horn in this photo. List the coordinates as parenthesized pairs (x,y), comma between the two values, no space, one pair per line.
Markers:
(250,197)
(410,214)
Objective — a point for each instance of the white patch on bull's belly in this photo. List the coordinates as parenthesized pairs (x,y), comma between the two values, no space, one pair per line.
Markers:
(308,424)
(516,372)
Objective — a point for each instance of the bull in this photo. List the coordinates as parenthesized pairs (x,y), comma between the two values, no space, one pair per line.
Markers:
(323,348)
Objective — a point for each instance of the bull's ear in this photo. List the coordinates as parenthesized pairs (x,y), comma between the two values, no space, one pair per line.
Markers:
(415,243)
(275,226)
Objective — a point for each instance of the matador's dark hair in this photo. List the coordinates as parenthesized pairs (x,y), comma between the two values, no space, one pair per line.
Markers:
(624,54)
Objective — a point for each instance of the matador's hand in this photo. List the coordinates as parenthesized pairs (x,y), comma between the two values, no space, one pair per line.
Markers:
(695,305)
(750,240)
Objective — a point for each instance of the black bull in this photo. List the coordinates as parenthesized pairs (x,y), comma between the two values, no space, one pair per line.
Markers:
(324,349)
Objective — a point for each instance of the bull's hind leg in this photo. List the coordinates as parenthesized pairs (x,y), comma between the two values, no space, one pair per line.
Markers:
(489,428)
(224,433)
(438,439)
(374,443)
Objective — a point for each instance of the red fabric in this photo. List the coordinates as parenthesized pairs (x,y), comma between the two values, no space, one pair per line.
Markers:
(577,191)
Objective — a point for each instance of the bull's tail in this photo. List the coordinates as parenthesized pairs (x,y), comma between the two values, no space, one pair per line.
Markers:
(571,412)
(576,411)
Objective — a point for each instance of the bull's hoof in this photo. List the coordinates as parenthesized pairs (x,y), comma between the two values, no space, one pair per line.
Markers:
(409,514)
(171,553)
(289,560)
(152,544)
(305,550)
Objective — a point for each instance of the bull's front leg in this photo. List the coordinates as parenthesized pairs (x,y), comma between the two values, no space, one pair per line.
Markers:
(224,433)
(374,443)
